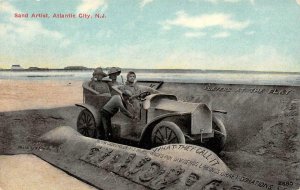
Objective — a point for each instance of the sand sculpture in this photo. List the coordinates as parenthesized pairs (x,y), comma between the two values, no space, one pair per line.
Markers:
(108,165)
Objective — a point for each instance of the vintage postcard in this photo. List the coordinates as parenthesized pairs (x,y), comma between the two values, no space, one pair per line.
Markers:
(150,94)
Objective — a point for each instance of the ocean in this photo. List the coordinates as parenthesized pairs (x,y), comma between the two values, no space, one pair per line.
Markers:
(222,77)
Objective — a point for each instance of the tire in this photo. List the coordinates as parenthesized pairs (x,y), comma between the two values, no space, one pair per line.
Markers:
(166,132)
(86,124)
(217,142)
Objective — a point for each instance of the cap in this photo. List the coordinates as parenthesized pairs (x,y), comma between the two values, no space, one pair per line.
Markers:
(113,70)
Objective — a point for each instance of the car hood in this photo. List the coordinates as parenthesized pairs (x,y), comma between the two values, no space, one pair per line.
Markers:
(201,114)
(176,106)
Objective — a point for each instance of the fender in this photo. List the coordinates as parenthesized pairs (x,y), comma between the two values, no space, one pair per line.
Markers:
(93,110)
(221,126)
(146,133)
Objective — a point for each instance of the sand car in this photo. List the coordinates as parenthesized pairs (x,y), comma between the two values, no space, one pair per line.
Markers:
(163,119)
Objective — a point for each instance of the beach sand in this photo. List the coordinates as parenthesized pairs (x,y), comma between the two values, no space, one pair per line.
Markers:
(28,172)
(35,94)
(21,128)
(32,108)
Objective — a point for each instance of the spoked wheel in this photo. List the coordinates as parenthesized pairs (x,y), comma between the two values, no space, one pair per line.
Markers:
(217,142)
(167,132)
(86,124)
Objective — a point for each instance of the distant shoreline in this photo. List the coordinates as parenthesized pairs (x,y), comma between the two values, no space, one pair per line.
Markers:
(158,71)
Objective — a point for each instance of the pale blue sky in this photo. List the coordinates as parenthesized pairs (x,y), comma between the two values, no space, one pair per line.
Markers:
(201,34)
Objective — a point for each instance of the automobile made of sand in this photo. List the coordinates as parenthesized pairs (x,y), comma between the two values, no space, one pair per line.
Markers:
(163,119)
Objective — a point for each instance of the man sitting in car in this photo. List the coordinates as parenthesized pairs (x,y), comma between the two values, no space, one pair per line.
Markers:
(97,83)
(113,73)
(115,104)
(135,89)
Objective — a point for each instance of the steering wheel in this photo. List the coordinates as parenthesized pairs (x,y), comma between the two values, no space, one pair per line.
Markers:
(143,95)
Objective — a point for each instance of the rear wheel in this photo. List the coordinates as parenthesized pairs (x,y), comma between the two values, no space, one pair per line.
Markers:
(217,142)
(86,124)
(166,132)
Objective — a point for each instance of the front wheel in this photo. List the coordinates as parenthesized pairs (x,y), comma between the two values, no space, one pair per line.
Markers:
(167,132)
(217,142)
(86,124)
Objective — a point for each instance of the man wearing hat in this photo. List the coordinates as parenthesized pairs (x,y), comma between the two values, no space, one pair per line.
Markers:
(113,73)
(135,89)
(97,83)
(115,104)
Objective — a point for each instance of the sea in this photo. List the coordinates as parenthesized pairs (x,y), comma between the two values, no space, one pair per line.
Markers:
(166,75)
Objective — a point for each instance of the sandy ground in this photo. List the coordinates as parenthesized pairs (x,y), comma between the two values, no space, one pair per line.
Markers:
(24,95)
(28,172)
(45,105)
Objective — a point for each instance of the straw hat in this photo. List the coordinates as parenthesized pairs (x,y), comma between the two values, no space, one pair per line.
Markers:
(114,70)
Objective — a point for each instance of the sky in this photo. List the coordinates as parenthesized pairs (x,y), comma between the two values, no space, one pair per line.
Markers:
(259,35)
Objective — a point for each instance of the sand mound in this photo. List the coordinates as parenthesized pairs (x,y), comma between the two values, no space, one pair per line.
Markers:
(59,135)
(277,143)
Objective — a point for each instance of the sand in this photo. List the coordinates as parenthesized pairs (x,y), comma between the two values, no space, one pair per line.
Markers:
(31,108)
(24,95)
(28,172)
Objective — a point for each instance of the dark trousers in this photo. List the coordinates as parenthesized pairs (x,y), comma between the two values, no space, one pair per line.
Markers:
(105,129)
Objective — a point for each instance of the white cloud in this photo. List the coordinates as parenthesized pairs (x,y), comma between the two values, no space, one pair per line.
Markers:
(194,34)
(267,58)
(143,3)
(27,37)
(221,35)
(221,20)
(104,34)
(298,1)
(224,1)
(212,1)
(263,58)
(165,27)
(232,1)
(22,30)
(88,6)
(250,33)
(6,7)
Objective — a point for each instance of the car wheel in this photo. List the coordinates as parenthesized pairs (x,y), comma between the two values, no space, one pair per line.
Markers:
(166,132)
(86,124)
(217,142)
